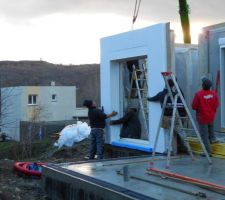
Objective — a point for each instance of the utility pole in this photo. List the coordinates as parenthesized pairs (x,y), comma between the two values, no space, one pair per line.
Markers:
(184,17)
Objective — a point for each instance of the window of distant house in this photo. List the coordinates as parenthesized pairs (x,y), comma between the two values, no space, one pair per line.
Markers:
(32,99)
(54,97)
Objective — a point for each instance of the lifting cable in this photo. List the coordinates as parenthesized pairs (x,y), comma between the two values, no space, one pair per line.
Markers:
(136,10)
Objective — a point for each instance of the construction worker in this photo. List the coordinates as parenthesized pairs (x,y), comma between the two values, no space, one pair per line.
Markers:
(97,122)
(205,103)
(131,124)
(166,121)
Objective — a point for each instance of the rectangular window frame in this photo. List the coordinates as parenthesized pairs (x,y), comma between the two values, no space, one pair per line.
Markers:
(32,99)
(54,97)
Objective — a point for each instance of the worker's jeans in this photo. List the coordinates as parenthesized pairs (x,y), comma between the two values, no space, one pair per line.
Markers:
(97,143)
(207,135)
(167,141)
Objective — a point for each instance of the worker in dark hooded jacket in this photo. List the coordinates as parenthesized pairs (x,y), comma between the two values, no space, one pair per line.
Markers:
(166,121)
(97,122)
(131,126)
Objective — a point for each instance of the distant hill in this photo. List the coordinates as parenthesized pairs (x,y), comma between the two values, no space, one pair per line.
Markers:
(40,73)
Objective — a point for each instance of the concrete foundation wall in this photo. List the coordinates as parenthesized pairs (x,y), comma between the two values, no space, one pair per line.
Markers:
(61,184)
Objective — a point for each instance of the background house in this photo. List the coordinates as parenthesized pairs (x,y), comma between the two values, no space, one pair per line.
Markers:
(44,109)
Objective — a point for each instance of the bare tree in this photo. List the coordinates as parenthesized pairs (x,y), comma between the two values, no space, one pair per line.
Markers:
(37,112)
(7,95)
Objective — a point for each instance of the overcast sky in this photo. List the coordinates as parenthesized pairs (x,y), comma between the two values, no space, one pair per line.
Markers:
(68,31)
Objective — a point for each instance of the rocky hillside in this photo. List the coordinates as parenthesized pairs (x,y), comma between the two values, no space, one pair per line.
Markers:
(41,73)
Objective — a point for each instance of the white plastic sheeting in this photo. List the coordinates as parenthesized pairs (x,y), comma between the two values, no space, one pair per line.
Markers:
(73,133)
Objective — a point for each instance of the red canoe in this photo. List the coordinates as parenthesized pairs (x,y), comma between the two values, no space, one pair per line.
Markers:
(28,168)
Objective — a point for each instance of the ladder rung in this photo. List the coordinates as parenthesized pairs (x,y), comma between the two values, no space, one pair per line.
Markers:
(178,104)
(178,117)
(143,89)
(139,89)
(187,129)
(144,107)
(141,79)
(139,70)
(182,117)
(171,106)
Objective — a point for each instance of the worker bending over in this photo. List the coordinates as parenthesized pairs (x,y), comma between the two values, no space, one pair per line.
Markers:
(131,126)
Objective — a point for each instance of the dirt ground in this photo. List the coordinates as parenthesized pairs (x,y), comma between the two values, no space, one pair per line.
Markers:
(14,186)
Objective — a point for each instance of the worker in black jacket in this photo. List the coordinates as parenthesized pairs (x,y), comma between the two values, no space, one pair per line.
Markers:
(131,126)
(166,121)
(97,122)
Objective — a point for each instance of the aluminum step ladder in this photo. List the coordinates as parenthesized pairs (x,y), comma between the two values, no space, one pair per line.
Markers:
(174,96)
(139,87)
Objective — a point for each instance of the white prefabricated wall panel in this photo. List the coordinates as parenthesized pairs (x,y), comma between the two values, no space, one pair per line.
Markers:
(151,42)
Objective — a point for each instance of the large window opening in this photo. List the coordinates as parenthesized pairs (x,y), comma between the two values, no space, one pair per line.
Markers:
(134,93)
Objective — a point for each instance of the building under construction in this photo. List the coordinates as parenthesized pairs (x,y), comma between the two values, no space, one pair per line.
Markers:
(151,50)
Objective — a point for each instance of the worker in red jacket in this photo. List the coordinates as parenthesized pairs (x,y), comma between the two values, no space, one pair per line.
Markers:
(206,103)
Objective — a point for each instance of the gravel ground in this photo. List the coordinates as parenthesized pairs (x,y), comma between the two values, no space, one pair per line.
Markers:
(14,186)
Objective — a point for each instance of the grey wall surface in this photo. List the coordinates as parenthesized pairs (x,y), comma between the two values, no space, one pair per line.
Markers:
(63,108)
(209,58)
(186,65)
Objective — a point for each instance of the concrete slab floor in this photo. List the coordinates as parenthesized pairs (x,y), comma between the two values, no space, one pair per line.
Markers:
(139,181)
